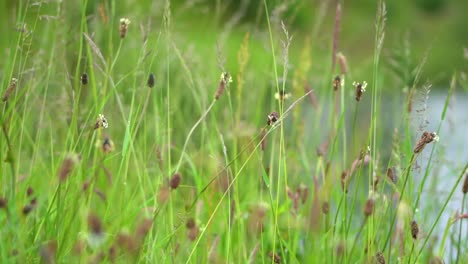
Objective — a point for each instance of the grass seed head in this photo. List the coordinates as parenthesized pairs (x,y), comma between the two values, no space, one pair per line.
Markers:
(282,95)
(379,257)
(101,122)
(174,182)
(273,117)
(425,139)
(3,202)
(84,79)
(325,207)
(360,89)
(10,89)
(163,194)
(369,207)
(107,145)
(151,80)
(391,174)
(95,225)
(337,83)
(224,81)
(67,166)
(275,257)
(414,229)
(29,191)
(124,22)
(465,184)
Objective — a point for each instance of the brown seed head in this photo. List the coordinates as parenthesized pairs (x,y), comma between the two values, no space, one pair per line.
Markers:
(10,89)
(95,224)
(124,22)
(369,208)
(425,139)
(325,207)
(272,118)
(337,83)
(224,81)
(27,209)
(84,79)
(360,89)
(263,140)
(175,181)
(107,145)
(344,181)
(190,223)
(391,174)
(67,166)
(3,202)
(29,191)
(101,122)
(414,229)
(275,257)
(379,257)
(465,184)
(143,228)
(151,80)
(193,233)
(343,63)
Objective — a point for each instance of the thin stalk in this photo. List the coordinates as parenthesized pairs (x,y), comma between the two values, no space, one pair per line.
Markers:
(460,230)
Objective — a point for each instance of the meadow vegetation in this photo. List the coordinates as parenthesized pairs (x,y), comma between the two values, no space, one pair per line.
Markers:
(128,136)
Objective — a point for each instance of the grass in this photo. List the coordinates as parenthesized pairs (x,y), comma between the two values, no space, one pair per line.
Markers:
(195,168)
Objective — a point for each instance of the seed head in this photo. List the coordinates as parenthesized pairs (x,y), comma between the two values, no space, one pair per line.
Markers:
(272,118)
(380,258)
(337,83)
(342,61)
(325,208)
(465,184)
(391,174)
(275,257)
(107,145)
(414,229)
(360,89)
(10,89)
(67,166)
(190,223)
(29,191)
(124,22)
(425,139)
(84,79)
(282,95)
(3,202)
(151,81)
(101,122)
(175,181)
(369,208)
(95,225)
(224,81)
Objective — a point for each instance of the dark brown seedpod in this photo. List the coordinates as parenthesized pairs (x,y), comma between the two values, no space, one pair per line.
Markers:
(391,174)
(124,22)
(190,223)
(272,118)
(275,257)
(66,167)
(336,83)
(84,79)
(369,207)
(465,184)
(29,191)
(414,229)
(10,89)
(193,233)
(325,208)
(95,225)
(112,254)
(344,181)
(379,257)
(425,139)
(3,202)
(360,89)
(27,209)
(175,181)
(151,80)
(107,145)
(224,81)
